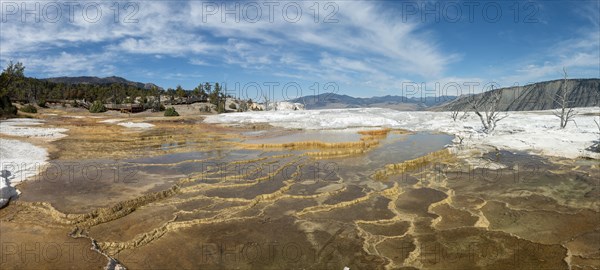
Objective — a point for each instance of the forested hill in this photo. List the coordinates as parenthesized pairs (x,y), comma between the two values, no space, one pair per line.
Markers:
(100,81)
(33,89)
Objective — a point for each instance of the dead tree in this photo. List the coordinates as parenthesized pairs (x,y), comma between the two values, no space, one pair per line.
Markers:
(490,116)
(456,112)
(566,113)
(596,146)
(266,97)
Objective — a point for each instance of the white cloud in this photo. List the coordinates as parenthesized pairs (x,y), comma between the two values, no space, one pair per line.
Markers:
(366,38)
(369,46)
(68,64)
(578,55)
(198,62)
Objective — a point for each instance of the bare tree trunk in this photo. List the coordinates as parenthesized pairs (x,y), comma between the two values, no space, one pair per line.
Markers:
(565,113)
(491,115)
(266,97)
(454,114)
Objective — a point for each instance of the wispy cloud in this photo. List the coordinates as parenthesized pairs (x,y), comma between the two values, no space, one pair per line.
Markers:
(367,46)
(70,64)
(358,39)
(580,54)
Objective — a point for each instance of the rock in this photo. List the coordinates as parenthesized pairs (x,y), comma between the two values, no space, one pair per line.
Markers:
(7,192)
(285,106)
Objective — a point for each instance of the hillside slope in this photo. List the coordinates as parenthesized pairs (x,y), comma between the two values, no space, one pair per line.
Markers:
(537,96)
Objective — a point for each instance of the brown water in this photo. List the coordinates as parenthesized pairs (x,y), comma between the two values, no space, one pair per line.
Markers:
(210,202)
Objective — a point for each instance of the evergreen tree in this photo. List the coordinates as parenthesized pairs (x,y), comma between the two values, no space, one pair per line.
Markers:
(180,92)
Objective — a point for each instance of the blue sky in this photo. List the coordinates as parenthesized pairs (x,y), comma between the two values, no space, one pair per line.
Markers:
(359,48)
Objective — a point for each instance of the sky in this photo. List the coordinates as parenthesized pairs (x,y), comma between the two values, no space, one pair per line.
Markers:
(287,49)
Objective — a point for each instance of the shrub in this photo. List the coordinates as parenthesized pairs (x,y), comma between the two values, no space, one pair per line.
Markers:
(155,106)
(97,107)
(206,108)
(29,109)
(171,112)
(42,103)
(221,107)
(232,106)
(6,107)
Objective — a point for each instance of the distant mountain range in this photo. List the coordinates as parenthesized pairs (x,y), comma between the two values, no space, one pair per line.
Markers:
(536,96)
(335,101)
(97,80)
